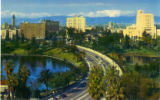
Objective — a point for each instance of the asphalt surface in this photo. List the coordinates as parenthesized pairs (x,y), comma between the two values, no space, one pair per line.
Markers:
(79,90)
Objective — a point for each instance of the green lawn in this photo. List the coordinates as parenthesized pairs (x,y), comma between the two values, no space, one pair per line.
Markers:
(59,53)
(20,51)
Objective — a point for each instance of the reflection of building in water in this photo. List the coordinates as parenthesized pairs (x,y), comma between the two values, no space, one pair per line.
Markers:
(77,22)
(144,22)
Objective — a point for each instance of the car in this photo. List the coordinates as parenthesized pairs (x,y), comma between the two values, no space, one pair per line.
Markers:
(83,84)
(63,96)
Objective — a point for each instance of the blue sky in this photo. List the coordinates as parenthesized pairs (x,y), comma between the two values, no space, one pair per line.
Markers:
(89,8)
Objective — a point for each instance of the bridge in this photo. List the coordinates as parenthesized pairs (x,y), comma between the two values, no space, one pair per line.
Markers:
(92,58)
(102,59)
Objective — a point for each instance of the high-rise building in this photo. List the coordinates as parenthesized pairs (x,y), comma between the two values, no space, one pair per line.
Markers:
(39,30)
(110,25)
(13,21)
(10,31)
(77,22)
(144,22)
(30,30)
(5,26)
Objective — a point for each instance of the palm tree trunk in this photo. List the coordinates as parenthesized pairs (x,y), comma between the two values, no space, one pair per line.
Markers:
(9,96)
(47,86)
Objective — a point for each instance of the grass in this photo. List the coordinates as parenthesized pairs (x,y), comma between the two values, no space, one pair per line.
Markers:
(20,51)
(130,67)
(59,53)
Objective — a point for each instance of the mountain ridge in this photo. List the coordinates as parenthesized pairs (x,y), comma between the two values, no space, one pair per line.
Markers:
(89,20)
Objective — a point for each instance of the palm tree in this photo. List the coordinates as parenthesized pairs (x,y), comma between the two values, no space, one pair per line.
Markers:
(23,75)
(45,75)
(11,79)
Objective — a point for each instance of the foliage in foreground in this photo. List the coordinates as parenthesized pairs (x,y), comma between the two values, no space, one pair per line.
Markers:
(131,85)
(96,86)
(17,82)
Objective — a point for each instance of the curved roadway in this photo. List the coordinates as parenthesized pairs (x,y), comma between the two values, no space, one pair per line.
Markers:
(93,58)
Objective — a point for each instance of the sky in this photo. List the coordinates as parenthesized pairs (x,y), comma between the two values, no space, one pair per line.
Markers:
(87,8)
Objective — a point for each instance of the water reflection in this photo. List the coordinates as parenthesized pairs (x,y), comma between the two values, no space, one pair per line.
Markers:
(35,65)
(140,59)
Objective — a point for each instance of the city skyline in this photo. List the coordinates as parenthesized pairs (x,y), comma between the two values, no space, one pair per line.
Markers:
(88,8)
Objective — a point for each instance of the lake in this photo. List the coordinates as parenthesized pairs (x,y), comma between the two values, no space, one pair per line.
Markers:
(35,64)
(131,59)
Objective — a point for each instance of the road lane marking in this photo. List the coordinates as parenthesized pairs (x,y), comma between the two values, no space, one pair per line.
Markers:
(82,97)
(74,98)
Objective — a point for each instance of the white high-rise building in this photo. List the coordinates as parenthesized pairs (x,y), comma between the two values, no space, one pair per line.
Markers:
(144,22)
(77,22)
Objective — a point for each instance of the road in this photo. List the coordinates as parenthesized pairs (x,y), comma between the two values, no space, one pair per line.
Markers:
(79,90)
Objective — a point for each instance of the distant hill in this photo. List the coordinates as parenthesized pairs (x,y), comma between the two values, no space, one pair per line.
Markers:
(89,20)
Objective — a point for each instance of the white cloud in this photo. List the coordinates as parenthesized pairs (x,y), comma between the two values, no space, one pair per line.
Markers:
(100,13)
(105,13)
(8,13)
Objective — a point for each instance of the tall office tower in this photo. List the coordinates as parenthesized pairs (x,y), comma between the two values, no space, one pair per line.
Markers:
(77,22)
(13,21)
(145,22)
(110,25)
(39,30)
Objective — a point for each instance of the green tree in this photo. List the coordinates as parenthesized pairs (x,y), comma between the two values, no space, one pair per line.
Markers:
(114,90)
(23,75)
(45,75)
(22,38)
(147,40)
(131,83)
(7,36)
(11,79)
(125,42)
(96,86)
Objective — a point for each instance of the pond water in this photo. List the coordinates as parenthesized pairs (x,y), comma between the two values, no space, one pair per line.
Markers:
(35,65)
(140,59)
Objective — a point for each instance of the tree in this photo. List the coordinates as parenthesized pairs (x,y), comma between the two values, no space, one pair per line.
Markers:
(17,36)
(11,79)
(96,86)
(7,36)
(125,42)
(147,40)
(22,38)
(45,75)
(23,75)
(114,90)
(138,87)
(130,82)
